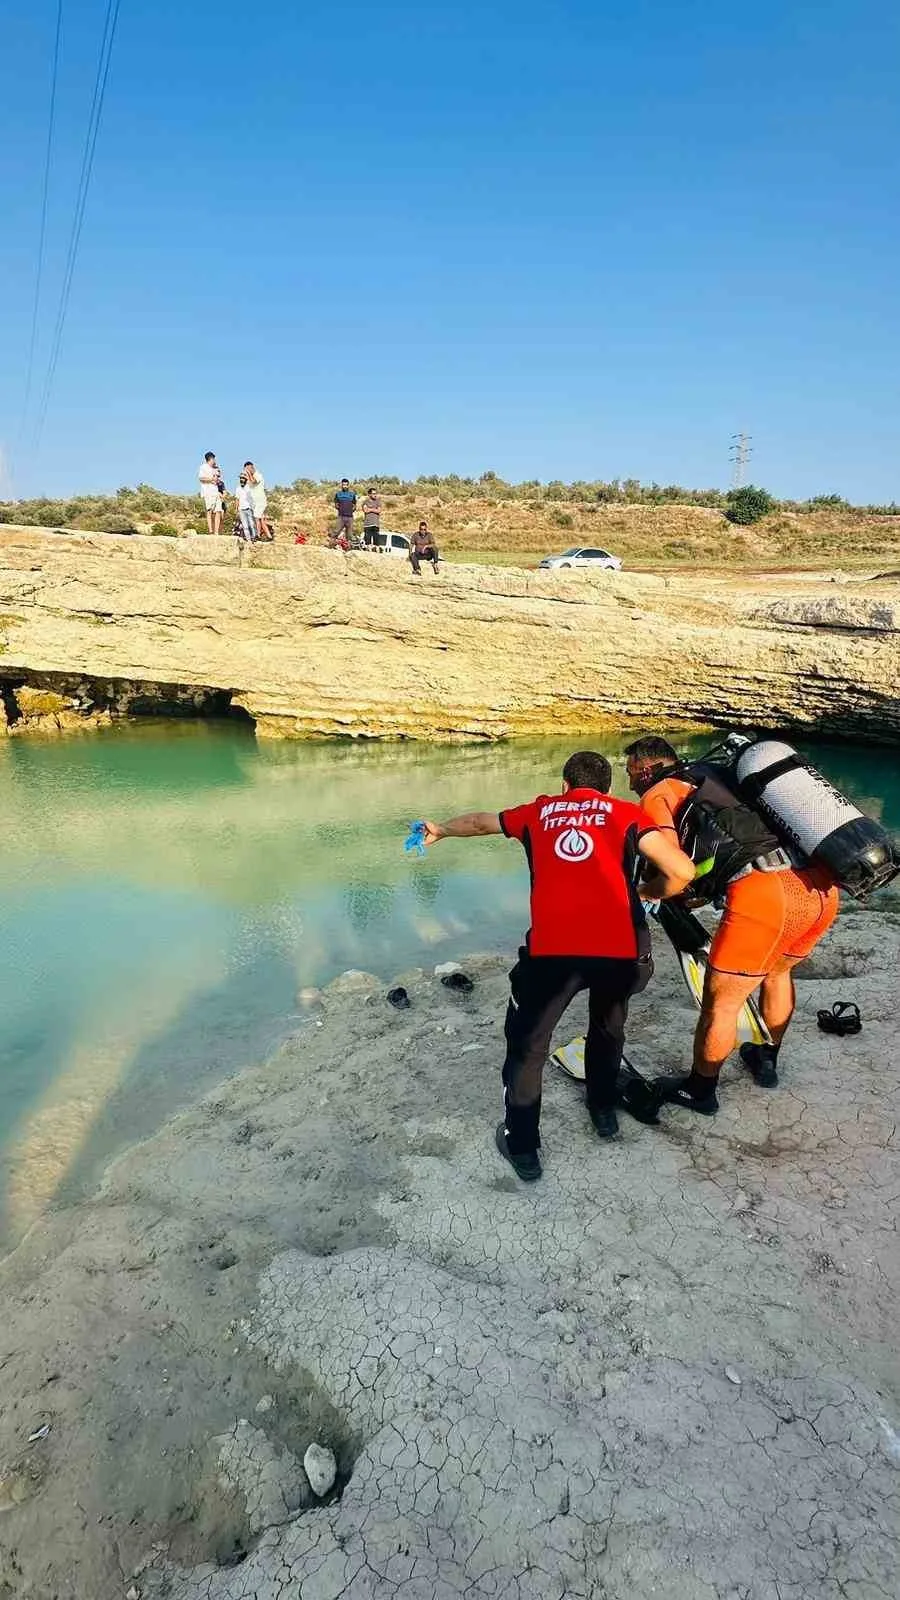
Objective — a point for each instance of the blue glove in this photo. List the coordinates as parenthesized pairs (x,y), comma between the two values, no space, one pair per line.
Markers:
(416,839)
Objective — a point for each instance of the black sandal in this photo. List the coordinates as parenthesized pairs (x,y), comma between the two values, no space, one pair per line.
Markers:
(842,1019)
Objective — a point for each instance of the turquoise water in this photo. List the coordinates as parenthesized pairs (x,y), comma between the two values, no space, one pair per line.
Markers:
(170,889)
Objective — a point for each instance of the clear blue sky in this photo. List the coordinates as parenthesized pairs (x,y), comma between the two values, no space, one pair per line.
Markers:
(567,239)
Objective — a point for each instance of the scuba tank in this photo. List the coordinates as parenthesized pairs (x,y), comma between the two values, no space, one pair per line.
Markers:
(812,818)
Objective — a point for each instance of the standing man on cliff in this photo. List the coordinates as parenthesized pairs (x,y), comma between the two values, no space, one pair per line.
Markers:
(588,931)
(371,516)
(212,486)
(345,506)
(260,499)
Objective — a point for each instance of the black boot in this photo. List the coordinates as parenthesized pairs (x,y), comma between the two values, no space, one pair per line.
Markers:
(606,1123)
(762,1061)
(689,1090)
(525,1163)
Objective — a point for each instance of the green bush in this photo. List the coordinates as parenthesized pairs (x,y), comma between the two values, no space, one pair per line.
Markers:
(747,505)
(164,530)
(562,519)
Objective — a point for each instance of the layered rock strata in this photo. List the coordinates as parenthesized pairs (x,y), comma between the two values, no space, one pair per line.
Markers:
(312,642)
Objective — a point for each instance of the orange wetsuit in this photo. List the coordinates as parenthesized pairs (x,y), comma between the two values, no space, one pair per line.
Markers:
(769,916)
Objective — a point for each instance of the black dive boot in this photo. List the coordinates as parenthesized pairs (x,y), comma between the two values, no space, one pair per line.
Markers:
(761,1060)
(694,1093)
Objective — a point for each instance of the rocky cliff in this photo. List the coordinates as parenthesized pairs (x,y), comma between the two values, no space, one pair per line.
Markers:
(311,642)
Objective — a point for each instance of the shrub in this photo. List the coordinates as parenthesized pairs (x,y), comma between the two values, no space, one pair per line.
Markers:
(164,530)
(747,505)
(562,519)
(828,502)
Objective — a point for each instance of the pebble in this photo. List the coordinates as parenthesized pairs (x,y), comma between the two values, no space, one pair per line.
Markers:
(267,1403)
(733,1376)
(320,1468)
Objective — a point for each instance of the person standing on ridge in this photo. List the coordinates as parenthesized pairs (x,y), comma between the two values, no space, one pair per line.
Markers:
(211,489)
(246,516)
(371,517)
(588,931)
(345,506)
(260,500)
(775,914)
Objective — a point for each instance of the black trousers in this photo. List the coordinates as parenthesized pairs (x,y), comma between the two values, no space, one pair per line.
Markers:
(541,989)
(428,554)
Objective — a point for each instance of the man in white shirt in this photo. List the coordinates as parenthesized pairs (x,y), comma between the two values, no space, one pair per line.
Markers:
(211,487)
(260,499)
(244,497)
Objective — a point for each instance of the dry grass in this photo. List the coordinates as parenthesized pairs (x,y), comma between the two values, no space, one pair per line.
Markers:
(520,533)
(520,527)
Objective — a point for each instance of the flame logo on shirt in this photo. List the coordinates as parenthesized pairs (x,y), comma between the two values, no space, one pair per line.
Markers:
(574,845)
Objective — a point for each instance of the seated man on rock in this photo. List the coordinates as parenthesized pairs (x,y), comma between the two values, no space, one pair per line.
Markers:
(588,931)
(423,549)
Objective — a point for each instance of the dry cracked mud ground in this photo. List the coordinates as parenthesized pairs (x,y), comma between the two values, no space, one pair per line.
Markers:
(668,1370)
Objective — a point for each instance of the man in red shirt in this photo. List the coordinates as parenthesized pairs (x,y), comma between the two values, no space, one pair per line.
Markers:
(588,931)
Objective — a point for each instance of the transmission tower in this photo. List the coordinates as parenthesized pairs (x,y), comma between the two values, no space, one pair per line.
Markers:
(740,452)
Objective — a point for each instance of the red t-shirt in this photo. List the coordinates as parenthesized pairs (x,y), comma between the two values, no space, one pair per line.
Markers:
(581,849)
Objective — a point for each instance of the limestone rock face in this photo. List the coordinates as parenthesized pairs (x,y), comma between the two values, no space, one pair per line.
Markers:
(312,642)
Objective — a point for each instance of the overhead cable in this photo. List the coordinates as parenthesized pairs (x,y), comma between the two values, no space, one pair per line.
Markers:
(39,270)
(84,183)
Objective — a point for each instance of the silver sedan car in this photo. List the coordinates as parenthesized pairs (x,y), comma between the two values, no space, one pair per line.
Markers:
(581,556)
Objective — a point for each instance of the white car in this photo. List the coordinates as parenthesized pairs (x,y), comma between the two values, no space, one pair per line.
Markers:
(387,543)
(581,556)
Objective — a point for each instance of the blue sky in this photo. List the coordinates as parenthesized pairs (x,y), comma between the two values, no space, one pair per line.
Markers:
(562,239)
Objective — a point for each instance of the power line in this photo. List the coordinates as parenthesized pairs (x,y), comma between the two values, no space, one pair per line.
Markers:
(84,183)
(32,343)
(740,451)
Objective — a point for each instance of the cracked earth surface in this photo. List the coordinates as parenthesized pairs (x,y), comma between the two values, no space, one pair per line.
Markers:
(668,1370)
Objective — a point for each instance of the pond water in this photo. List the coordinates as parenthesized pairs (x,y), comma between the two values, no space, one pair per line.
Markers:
(170,888)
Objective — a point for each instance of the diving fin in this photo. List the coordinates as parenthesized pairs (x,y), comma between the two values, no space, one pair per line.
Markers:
(633,1093)
(570,1057)
(686,931)
(692,943)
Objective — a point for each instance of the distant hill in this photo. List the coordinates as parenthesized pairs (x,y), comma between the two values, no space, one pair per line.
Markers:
(489,520)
